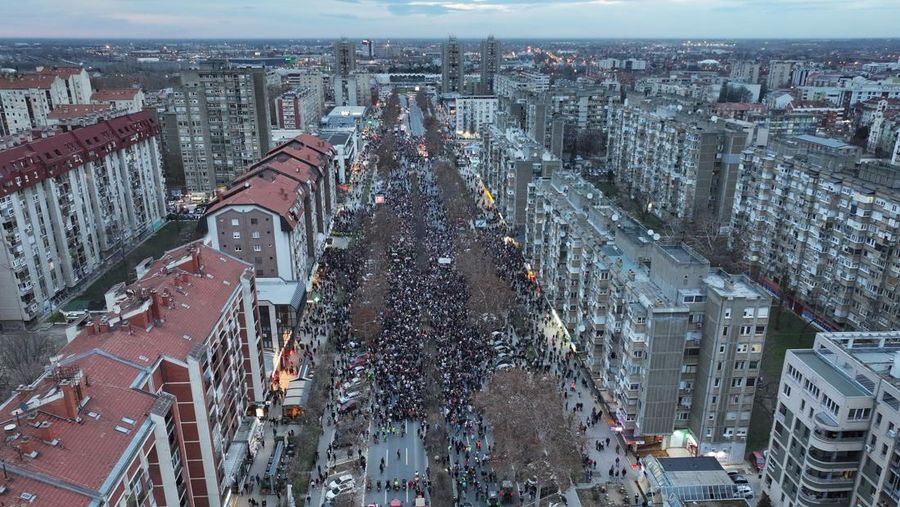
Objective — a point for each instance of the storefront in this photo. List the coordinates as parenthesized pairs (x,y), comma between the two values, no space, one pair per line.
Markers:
(280,303)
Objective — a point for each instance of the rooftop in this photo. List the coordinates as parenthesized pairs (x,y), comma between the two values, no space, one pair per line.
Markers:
(354,111)
(68,111)
(822,141)
(830,373)
(115,94)
(27,82)
(274,192)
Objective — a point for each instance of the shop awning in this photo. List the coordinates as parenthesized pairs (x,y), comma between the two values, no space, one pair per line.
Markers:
(237,451)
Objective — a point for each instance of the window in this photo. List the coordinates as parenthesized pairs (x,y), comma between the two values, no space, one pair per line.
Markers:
(716,382)
(762,311)
(254,221)
(727,313)
(830,405)
(751,381)
(235,235)
(739,365)
(235,222)
(754,365)
(257,248)
(859,414)
(741,348)
(745,330)
(737,382)
(721,349)
(237,248)
(786,389)
(878,420)
(255,235)
(713,400)
(748,313)
(725,331)
(711,416)
(760,330)
(756,348)
(811,388)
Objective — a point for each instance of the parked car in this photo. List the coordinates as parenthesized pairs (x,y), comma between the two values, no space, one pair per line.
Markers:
(342,480)
(739,479)
(344,398)
(758,460)
(744,491)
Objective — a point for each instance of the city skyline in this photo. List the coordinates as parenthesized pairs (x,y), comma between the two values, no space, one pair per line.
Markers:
(502,18)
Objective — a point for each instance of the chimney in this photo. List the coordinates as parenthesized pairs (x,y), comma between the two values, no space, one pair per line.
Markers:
(26,445)
(156,304)
(45,432)
(70,401)
(196,261)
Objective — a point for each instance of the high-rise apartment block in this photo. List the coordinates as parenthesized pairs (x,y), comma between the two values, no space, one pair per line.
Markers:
(353,90)
(297,109)
(834,435)
(130,100)
(510,160)
(223,124)
(26,101)
(680,166)
(677,344)
(149,403)
(70,201)
(491,58)
(453,67)
(312,80)
(745,72)
(76,80)
(825,228)
(344,57)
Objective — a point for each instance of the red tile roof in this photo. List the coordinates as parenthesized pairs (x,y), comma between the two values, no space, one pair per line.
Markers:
(68,111)
(62,72)
(27,82)
(275,192)
(88,450)
(114,94)
(28,164)
(195,308)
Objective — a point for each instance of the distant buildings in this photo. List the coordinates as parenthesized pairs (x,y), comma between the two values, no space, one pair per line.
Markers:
(780,73)
(681,167)
(68,203)
(491,59)
(623,64)
(675,343)
(223,124)
(152,402)
(824,228)
(297,109)
(453,67)
(354,89)
(313,80)
(474,112)
(834,435)
(846,91)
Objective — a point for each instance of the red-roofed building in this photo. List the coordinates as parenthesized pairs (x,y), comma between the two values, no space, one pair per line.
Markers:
(69,116)
(277,216)
(26,101)
(156,397)
(127,99)
(67,202)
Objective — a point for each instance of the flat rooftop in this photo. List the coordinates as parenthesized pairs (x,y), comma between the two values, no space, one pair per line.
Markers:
(830,373)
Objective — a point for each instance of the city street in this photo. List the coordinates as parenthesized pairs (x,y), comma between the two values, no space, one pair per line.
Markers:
(404,456)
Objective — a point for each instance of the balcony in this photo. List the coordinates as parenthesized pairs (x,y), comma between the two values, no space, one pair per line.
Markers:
(822,484)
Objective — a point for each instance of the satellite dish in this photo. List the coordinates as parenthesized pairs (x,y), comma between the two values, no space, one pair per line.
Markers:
(649,232)
(615,217)
(656,237)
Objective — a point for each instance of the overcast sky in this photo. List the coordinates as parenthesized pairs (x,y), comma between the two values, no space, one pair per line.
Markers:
(438,18)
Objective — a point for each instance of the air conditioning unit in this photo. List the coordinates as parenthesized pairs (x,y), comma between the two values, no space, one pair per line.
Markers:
(892,433)
(868,448)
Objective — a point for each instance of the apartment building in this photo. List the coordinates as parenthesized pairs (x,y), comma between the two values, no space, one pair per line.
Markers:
(824,227)
(313,80)
(453,67)
(780,73)
(150,403)
(674,343)
(507,85)
(125,99)
(344,57)
(847,92)
(76,80)
(297,109)
(834,438)
(353,90)
(745,71)
(68,203)
(276,217)
(223,124)
(26,101)
(510,160)
(474,112)
(680,166)
(491,59)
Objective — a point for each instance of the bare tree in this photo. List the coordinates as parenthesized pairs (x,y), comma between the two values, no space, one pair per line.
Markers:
(23,357)
(534,436)
(367,302)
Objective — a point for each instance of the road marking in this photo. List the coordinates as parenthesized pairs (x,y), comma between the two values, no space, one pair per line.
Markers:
(407,455)
(387,455)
